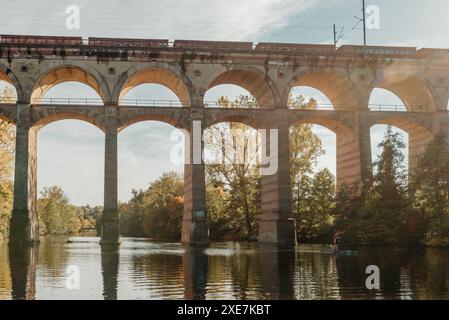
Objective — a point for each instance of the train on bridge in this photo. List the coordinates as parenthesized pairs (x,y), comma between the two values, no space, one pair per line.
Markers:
(134,44)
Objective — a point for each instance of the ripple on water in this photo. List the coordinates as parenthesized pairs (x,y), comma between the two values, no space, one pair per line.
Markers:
(144,269)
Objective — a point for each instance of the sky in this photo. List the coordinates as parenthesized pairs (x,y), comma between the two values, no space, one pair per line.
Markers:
(71,153)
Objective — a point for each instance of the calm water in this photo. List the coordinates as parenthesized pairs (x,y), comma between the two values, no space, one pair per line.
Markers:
(149,270)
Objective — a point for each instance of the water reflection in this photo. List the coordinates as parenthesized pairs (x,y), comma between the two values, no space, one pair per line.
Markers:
(22,266)
(195,263)
(277,266)
(109,270)
(141,269)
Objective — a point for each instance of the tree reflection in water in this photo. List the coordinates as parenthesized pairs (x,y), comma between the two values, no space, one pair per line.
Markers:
(142,269)
(22,265)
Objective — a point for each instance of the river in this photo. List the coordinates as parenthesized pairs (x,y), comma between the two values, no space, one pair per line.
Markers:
(144,269)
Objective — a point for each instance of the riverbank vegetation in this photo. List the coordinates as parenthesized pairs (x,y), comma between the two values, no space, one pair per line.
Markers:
(391,209)
(7,139)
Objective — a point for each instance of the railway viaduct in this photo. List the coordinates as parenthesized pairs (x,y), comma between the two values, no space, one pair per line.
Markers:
(346,75)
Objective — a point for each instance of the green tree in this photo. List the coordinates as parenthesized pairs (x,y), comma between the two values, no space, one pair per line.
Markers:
(305,149)
(316,207)
(56,215)
(430,187)
(157,211)
(234,169)
(238,182)
(378,214)
(305,146)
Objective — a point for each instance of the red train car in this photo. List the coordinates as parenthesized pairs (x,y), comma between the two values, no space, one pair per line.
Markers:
(377,50)
(40,40)
(213,45)
(128,43)
(433,52)
(297,48)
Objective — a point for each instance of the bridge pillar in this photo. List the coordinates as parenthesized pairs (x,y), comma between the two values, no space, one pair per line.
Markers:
(441,124)
(195,229)
(110,228)
(276,223)
(24,227)
(354,163)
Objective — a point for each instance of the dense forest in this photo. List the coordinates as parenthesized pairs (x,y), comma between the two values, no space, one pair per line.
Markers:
(390,208)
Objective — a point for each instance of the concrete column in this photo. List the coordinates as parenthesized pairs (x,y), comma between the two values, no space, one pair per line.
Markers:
(195,229)
(110,231)
(354,163)
(24,223)
(441,124)
(276,222)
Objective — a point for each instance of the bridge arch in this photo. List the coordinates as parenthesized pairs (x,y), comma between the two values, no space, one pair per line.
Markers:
(419,135)
(409,87)
(156,73)
(348,166)
(248,120)
(10,78)
(147,150)
(385,100)
(49,78)
(79,155)
(259,84)
(6,117)
(174,121)
(333,83)
(313,98)
(232,149)
(43,119)
(333,125)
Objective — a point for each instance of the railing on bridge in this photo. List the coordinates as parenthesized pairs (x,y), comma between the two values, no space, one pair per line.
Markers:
(152,103)
(68,101)
(399,108)
(96,101)
(207,104)
(8,100)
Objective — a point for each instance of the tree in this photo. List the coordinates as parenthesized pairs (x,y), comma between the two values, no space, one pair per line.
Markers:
(157,211)
(237,177)
(7,139)
(316,207)
(305,149)
(305,146)
(233,168)
(430,187)
(378,214)
(56,215)
(90,217)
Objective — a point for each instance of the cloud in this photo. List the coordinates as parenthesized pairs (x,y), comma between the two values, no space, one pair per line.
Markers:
(172,19)
(232,19)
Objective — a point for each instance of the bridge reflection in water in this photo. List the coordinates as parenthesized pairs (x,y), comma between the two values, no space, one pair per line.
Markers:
(142,269)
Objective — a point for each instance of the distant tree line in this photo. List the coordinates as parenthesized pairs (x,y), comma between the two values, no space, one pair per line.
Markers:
(58,217)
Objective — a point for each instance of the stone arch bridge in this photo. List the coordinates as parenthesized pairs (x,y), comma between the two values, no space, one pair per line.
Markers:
(346,75)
